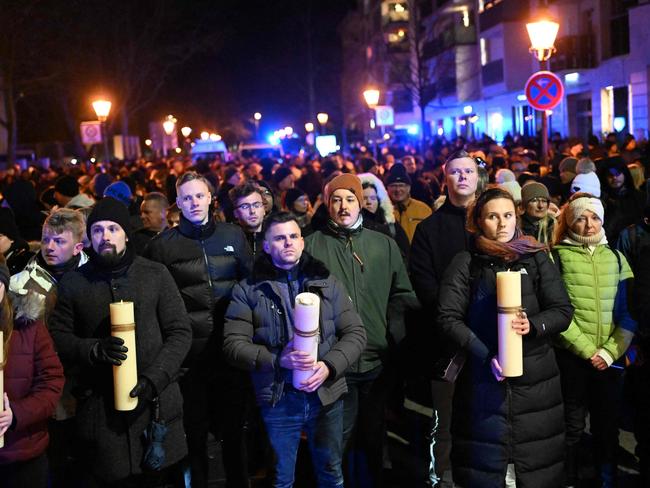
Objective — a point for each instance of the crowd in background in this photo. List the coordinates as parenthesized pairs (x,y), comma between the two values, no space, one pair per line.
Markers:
(459,211)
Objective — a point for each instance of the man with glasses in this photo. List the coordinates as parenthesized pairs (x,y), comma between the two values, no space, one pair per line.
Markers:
(536,220)
(436,241)
(409,212)
(248,208)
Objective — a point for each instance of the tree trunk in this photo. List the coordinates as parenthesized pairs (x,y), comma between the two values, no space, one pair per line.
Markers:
(10,114)
(73,127)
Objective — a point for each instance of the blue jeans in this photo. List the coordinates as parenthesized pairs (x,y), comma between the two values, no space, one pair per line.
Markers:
(298,411)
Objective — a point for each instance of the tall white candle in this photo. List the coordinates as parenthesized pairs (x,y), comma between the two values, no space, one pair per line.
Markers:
(125,376)
(305,338)
(509,304)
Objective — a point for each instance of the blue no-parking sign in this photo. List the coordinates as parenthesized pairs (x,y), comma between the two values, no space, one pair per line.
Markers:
(544,90)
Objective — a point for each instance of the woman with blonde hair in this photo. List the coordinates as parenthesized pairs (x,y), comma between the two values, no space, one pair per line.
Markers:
(596,277)
(33,382)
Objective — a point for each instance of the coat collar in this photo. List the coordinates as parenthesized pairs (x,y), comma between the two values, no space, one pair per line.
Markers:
(309,267)
(200,232)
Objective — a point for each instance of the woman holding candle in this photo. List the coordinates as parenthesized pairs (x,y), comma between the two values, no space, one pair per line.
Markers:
(596,278)
(504,428)
(33,382)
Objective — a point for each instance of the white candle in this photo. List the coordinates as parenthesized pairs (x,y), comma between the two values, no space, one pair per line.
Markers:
(125,376)
(305,338)
(510,355)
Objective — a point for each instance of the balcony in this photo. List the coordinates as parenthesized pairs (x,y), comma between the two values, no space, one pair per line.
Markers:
(492,73)
(573,52)
(459,35)
(496,13)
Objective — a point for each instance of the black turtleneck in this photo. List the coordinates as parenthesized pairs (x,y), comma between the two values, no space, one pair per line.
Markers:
(116,268)
(198,232)
(57,272)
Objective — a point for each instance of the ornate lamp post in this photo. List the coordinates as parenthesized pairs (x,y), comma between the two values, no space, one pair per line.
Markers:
(257,117)
(102,109)
(322,118)
(542,34)
(371,96)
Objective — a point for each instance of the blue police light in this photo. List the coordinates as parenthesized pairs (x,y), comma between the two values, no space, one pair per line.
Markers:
(412,129)
(274,139)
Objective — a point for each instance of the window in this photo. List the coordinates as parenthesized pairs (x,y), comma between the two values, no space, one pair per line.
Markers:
(485,51)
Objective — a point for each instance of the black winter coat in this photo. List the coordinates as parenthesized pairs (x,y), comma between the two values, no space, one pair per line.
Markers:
(113,440)
(205,261)
(256,328)
(519,420)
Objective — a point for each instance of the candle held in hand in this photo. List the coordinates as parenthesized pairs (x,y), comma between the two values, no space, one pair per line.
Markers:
(125,376)
(305,334)
(509,305)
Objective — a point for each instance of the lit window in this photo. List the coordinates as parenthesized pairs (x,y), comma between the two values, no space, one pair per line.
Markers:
(484,51)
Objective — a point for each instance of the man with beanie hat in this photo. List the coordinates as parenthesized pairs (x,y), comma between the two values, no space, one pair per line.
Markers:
(206,259)
(80,327)
(370,266)
(408,211)
(536,220)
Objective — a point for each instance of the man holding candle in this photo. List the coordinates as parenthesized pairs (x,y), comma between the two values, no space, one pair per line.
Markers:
(259,337)
(206,259)
(371,267)
(113,441)
(436,241)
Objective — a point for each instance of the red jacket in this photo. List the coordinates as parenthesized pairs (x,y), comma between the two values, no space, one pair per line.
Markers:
(33,381)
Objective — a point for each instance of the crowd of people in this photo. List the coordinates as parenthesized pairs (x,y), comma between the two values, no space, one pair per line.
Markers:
(402,252)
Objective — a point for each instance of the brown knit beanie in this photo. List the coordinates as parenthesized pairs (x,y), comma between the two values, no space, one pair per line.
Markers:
(345,181)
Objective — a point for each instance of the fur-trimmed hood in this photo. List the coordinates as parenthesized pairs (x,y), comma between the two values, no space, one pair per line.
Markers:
(310,267)
(382,194)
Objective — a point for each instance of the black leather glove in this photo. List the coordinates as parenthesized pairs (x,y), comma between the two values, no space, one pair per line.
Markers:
(144,390)
(109,350)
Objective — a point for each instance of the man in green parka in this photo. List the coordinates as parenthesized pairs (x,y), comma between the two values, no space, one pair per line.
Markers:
(371,267)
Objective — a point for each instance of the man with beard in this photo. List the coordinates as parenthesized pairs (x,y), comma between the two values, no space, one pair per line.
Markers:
(206,259)
(248,208)
(113,442)
(371,267)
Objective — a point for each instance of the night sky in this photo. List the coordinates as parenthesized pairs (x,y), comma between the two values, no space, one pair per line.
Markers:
(258,64)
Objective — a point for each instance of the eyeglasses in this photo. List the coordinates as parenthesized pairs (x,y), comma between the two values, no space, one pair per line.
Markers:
(247,206)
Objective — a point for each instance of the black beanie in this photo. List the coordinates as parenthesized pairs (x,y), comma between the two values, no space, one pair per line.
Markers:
(67,185)
(110,209)
(8,225)
(291,196)
(398,174)
(281,173)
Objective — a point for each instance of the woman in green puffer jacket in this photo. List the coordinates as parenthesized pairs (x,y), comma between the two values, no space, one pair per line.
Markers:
(602,329)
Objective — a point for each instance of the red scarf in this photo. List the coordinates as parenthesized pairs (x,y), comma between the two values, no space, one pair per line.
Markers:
(510,251)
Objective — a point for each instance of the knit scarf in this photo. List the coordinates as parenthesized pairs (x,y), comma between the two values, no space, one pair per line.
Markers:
(517,247)
(594,240)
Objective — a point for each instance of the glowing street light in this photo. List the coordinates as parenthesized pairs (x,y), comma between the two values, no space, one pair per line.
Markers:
(309,127)
(322,118)
(148,142)
(542,34)
(371,96)
(205,136)
(257,116)
(102,108)
(186,131)
(169,125)
(215,137)
(288,130)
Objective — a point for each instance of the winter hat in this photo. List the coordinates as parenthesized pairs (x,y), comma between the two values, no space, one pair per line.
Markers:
(100,183)
(533,190)
(586,183)
(513,188)
(579,205)
(280,174)
(585,165)
(382,195)
(568,165)
(291,196)
(345,181)
(398,174)
(504,175)
(66,185)
(8,225)
(119,191)
(108,208)
(366,164)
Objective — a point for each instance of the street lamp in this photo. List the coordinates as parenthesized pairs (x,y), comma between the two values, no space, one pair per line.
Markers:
(288,130)
(542,34)
(309,127)
(322,118)
(371,96)
(257,117)
(205,135)
(169,125)
(102,108)
(186,131)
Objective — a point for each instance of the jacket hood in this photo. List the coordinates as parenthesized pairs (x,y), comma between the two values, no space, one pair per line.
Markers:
(382,194)
(308,266)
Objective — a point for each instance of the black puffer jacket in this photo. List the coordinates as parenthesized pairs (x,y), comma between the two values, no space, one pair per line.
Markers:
(205,261)
(256,327)
(519,420)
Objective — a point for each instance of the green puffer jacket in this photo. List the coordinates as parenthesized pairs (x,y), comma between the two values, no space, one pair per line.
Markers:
(597,287)
(372,269)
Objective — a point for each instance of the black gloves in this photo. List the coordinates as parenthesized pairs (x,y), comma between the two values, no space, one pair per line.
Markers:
(144,390)
(109,350)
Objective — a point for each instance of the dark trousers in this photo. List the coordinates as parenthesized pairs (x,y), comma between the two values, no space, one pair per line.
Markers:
(65,466)
(25,474)
(638,395)
(364,427)
(220,406)
(296,412)
(586,389)
(442,394)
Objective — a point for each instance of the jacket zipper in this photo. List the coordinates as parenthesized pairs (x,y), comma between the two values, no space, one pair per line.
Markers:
(598,310)
(207,266)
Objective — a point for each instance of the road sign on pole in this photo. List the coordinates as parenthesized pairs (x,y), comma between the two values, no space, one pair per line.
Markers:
(385,115)
(544,90)
(91,132)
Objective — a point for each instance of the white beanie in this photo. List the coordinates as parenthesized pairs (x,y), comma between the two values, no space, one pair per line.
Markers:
(513,188)
(586,183)
(504,175)
(577,207)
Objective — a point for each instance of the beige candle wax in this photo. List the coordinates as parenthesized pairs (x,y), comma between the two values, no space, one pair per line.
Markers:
(510,355)
(125,376)
(2,381)
(305,338)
